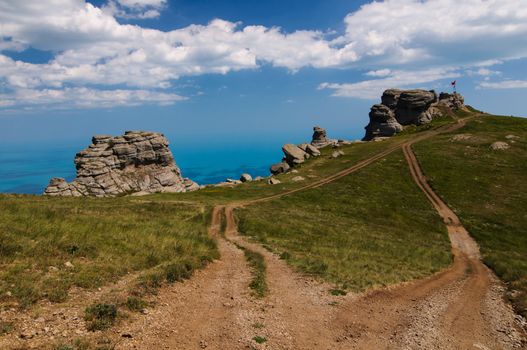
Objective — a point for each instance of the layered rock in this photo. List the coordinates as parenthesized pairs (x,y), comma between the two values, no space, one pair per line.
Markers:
(405,107)
(453,101)
(320,139)
(136,162)
(382,122)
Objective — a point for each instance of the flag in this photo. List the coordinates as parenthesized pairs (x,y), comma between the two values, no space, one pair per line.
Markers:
(453,83)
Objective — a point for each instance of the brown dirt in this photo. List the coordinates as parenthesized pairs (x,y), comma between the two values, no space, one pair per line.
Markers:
(458,308)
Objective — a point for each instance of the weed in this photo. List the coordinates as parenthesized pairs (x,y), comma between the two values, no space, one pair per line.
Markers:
(258,325)
(100,316)
(5,328)
(260,339)
(337,292)
(135,304)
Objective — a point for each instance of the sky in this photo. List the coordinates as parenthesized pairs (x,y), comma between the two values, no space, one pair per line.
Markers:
(245,71)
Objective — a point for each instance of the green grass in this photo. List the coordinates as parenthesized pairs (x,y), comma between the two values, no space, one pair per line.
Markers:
(100,316)
(260,339)
(488,190)
(371,228)
(256,261)
(103,239)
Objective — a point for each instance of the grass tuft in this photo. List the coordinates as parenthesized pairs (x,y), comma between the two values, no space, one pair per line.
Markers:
(100,317)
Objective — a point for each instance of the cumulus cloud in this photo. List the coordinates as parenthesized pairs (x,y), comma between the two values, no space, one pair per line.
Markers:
(91,48)
(504,84)
(138,9)
(81,97)
(372,89)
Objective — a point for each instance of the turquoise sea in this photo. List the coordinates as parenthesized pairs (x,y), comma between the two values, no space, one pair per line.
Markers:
(27,168)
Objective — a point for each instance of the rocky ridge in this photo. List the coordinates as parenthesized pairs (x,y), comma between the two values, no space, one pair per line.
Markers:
(408,107)
(138,162)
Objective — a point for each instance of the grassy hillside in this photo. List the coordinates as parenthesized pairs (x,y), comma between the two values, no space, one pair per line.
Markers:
(372,228)
(48,245)
(488,190)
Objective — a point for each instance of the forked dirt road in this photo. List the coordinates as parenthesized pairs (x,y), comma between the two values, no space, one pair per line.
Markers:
(459,308)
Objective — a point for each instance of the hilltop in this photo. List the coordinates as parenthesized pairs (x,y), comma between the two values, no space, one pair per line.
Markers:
(371,230)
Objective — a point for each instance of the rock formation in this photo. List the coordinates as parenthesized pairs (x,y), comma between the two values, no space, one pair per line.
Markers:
(320,138)
(136,162)
(293,154)
(405,107)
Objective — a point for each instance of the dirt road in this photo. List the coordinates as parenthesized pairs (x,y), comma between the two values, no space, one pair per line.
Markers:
(458,308)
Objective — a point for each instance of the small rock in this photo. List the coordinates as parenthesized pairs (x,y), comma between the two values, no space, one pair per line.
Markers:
(52,269)
(499,146)
(203,344)
(294,171)
(246,177)
(511,137)
(297,178)
(126,335)
(279,168)
(69,265)
(336,154)
(273,181)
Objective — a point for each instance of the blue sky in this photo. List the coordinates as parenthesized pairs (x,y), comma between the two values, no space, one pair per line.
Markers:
(236,72)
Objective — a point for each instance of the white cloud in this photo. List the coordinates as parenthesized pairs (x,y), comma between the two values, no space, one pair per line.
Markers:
(91,48)
(82,97)
(372,89)
(504,84)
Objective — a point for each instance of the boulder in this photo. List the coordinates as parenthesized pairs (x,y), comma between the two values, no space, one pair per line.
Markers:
(309,149)
(411,104)
(390,97)
(273,181)
(297,178)
(499,146)
(320,138)
(453,101)
(246,178)
(138,161)
(293,154)
(337,154)
(279,168)
(382,122)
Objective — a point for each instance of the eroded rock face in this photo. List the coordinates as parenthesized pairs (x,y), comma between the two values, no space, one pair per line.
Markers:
(382,122)
(138,161)
(320,138)
(405,107)
(412,105)
(454,101)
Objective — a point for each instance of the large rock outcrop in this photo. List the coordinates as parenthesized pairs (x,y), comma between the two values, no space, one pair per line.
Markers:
(405,107)
(137,161)
(320,138)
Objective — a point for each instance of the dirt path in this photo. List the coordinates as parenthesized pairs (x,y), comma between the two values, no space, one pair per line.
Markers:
(459,308)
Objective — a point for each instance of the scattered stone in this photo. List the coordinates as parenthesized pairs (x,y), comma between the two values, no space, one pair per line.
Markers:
(273,181)
(246,178)
(461,137)
(69,265)
(294,171)
(293,154)
(52,269)
(258,178)
(310,149)
(337,154)
(297,178)
(453,101)
(499,146)
(279,168)
(512,137)
(126,335)
(138,161)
